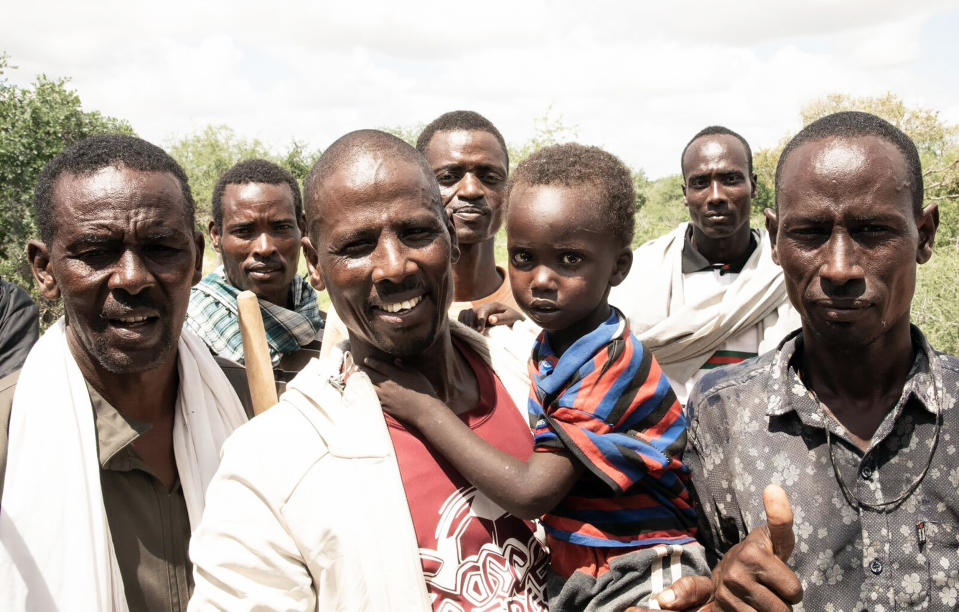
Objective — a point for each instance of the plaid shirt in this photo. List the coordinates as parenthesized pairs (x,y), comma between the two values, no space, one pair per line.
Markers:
(212,314)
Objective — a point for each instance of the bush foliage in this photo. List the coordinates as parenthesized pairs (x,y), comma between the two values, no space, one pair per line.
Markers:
(38,121)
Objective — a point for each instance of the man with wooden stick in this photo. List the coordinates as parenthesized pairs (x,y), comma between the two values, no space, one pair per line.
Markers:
(112,429)
(256,228)
(322,502)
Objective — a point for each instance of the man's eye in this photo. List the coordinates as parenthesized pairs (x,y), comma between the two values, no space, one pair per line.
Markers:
(355,249)
(446,178)
(419,233)
(697,183)
(93,255)
(732,179)
(571,259)
(162,250)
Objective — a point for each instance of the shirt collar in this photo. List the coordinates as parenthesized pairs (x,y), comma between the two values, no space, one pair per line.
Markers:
(694,261)
(789,394)
(115,432)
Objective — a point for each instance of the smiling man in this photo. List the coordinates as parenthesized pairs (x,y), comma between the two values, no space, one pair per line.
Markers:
(708,294)
(113,427)
(855,415)
(256,228)
(323,503)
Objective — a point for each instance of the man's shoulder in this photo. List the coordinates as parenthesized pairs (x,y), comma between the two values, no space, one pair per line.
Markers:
(729,386)
(8,385)
(656,244)
(273,451)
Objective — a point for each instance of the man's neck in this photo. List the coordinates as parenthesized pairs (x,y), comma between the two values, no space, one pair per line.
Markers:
(148,396)
(447,370)
(474,274)
(730,249)
(859,386)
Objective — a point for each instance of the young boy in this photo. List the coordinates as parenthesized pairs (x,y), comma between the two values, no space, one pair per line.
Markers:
(608,429)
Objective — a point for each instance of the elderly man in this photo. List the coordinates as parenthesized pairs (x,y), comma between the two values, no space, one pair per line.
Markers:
(321,502)
(855,415)
(256,228)
(113,427)
(708,294)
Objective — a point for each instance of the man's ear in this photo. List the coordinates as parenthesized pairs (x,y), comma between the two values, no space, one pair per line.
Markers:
(198,264)
(927,223)
(772,227)
(454,241)
(214,236)
(39,256)
(312,264)
(301,223)
(755,182)
(624,261)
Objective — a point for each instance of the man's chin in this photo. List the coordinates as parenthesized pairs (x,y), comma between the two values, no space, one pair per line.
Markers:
(118,361)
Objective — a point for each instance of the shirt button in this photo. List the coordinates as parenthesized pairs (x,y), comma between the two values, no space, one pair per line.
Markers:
(866,472)
(875,566)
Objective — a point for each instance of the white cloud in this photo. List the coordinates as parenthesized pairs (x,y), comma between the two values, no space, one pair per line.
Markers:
(638,78)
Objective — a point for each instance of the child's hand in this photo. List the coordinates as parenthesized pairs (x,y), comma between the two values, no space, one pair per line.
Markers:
(404,394)
(489,315)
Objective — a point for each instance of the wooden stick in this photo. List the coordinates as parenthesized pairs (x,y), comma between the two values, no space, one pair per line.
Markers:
(256,353)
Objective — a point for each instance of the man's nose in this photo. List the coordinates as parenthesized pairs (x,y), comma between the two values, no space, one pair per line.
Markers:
(391,261)
(841,265)
(469,187)
(131,274)
(263,245)
(716,191)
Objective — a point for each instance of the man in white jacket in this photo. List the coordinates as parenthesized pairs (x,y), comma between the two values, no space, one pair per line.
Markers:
(708,293)
(324,503)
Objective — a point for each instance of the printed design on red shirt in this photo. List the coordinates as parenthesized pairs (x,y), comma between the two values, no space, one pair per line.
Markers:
(506,573)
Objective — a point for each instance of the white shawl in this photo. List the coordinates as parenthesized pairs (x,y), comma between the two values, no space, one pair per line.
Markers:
(684,335)
(56,548)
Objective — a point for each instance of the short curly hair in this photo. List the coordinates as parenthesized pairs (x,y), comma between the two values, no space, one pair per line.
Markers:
(575,165)
(94,153)
(849,124)
(254,171)
(716,130)
(452,121)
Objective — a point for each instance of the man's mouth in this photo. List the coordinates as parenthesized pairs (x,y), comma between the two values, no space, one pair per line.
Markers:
(399,307)
(130,321)
(468,211)
(263,271)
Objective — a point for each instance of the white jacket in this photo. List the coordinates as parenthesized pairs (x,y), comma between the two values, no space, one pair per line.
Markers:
(307,510)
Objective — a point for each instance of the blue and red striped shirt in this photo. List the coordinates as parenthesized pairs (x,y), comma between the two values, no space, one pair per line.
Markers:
(607,402)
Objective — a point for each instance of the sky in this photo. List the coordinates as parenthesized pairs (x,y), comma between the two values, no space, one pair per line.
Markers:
(636,78)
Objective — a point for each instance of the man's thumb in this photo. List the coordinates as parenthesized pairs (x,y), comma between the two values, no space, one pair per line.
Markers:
(779,519)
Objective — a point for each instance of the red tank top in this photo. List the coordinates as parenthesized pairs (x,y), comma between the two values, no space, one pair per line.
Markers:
(475,556)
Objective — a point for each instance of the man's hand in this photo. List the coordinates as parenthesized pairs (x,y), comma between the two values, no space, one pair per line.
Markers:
(753,574)
(405,394)
(489,315)
(687,593)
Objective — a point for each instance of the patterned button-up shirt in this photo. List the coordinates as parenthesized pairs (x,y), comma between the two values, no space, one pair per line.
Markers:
(756,423)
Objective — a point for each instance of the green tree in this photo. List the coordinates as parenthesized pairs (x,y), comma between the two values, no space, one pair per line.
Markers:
(549,129)
(206,154)
(36,123)
(935,307)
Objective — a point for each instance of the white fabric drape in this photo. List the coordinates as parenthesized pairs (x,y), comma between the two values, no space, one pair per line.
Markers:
(683,335)
(55,546)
